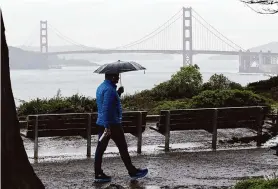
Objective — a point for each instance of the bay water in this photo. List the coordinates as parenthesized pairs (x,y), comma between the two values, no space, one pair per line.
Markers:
(32,84)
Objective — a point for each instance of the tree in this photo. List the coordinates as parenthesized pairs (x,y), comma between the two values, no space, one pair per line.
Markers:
(220,82)
(187,82)
(268,6)
(16,170)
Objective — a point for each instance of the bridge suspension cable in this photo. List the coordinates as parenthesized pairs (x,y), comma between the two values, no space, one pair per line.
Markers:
(153,36)
(69,40)
(30,39)
(215,32)
(157,31)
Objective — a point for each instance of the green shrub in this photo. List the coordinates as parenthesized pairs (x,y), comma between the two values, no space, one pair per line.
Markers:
(234,85)
(58,104)
(162,91)
(186,83)
(227,98)
(274,93)
(264,85)
(82,103)
(220,82)
(171,105)
(139,101)
(257,184)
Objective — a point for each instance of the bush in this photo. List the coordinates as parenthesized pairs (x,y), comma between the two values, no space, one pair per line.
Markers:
(184,84)
(213,99)
(234,85)
(264,85)
(257,184)
(58,104)
(220,82)
(139,101)
(171,105)
(81,103)
(227,98)
(162,91)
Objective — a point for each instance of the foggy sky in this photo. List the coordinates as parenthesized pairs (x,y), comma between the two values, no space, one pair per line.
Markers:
(111,23)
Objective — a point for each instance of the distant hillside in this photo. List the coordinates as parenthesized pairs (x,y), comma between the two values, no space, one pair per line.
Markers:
(273,47)
(22,59)
(72,62)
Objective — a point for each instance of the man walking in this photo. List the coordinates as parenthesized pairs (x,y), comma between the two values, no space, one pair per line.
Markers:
(109,123)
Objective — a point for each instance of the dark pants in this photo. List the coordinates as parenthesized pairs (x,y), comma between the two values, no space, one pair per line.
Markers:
(117,135)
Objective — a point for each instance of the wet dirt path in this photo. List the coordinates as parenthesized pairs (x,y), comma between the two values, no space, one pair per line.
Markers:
(206,169)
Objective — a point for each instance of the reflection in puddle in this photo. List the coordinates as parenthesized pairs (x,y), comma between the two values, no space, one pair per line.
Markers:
(61,153)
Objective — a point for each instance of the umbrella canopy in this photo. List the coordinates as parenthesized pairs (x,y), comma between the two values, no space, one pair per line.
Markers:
(119,67)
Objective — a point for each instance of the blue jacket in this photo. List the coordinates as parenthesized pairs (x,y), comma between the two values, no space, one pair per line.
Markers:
(108,104)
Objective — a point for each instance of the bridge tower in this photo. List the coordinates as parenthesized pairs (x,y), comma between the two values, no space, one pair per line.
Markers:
(187,36)
(245,61)
(43,37)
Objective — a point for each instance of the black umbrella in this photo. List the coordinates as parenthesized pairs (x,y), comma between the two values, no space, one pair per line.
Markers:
(119,67)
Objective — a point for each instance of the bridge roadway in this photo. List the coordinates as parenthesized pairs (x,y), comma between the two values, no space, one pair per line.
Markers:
(195,52)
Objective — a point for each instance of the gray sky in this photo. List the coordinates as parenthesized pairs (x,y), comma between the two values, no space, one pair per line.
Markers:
(111,23)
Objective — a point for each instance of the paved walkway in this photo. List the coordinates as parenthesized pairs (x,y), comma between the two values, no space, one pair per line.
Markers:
(203,170)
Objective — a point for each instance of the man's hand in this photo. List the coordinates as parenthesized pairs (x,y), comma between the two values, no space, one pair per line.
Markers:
(107,132)
(120,90)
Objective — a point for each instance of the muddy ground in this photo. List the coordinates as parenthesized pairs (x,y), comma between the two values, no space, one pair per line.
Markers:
(190,163)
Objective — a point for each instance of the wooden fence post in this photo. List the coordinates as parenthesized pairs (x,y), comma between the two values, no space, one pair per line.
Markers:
(167,131)
(139,133)
(36,142)
(89,133)
(214,134)
(259,127)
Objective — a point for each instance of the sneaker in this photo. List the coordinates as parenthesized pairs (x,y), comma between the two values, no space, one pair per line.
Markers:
(140,173)
(101,177)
